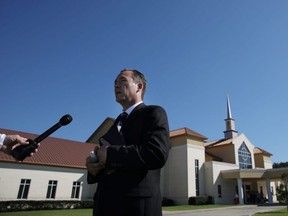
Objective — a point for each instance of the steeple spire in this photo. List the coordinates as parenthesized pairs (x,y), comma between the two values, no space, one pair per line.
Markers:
(229,114)
(230,123)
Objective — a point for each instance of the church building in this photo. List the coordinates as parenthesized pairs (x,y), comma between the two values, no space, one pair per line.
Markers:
(224,169)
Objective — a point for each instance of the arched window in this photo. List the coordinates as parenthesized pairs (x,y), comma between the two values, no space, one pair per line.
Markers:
(245,160)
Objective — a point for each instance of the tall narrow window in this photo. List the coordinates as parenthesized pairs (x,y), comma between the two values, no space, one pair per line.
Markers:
(24,189)
(197,177)
(51,191)
(219,191)
(76,190)
(244,155)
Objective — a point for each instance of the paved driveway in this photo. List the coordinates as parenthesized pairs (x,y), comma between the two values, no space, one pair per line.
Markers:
(244,210)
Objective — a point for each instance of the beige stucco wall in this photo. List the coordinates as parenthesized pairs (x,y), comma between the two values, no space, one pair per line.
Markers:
(179,140)
(11,175)
(176,176)
(195,153)
(268,163)
(214,178)
(259,160)
(226,153)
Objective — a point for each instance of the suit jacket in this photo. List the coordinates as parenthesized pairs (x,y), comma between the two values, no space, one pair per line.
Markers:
(130,182)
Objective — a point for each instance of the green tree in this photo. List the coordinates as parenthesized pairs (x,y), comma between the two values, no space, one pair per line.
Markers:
(282,190)
(280,165)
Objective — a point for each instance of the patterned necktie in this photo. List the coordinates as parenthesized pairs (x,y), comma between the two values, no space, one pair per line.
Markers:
(122,120)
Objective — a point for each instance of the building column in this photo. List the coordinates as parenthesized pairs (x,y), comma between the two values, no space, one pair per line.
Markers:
(268,188)
(240,191)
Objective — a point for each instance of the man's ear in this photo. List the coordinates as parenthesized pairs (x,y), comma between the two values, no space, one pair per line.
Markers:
(140,86)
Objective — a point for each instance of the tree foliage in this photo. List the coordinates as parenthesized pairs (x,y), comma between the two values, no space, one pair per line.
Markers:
(282,190)
(280,165)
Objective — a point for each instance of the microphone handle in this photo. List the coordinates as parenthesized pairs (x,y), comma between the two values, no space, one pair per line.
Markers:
(22,151)
(47,133)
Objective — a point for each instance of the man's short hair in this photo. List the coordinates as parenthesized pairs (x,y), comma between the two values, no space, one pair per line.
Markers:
(138,77)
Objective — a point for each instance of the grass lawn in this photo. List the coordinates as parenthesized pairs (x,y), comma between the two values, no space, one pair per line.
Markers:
(88,212)
(282,212)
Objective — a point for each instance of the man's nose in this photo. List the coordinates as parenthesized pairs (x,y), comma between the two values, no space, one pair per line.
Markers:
(116,85)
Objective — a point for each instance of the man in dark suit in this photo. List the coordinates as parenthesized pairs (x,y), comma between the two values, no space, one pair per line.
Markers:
(131,155)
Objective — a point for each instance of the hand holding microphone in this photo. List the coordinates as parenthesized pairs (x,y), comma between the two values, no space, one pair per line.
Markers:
(10,142)
(22,151)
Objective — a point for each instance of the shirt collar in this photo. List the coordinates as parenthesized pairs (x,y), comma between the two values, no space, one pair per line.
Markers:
(130,109)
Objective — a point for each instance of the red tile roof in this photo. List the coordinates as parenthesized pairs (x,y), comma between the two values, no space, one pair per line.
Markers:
(53,151)
(186,131)
(217,143)
(258,150)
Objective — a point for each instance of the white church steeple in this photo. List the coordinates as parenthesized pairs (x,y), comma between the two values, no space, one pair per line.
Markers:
(230,123)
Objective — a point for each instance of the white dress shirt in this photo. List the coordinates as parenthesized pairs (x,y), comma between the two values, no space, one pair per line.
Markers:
(130,109)
(2,138)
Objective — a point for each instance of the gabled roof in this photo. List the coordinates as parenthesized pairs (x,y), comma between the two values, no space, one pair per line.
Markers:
(217,143)
(53,151)
(222,142)
(258,150)
(107,123)
(186,131)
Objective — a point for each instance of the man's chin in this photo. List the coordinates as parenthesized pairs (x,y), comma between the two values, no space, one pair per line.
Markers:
(119,99)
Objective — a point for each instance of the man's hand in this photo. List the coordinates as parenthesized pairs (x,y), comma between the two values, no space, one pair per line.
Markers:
(93,168)
(13,141)
(102,151)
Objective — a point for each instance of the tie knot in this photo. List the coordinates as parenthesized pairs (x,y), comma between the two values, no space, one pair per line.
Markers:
(123,117)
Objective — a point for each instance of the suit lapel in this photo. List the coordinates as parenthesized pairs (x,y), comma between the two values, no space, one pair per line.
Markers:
(113,136)
(136,111)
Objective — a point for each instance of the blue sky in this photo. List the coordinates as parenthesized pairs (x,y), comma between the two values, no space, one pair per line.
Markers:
(59,57)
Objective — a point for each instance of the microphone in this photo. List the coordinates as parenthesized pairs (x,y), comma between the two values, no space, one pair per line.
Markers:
(22,151)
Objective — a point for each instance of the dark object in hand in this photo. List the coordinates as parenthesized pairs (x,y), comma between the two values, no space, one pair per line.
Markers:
(22,151)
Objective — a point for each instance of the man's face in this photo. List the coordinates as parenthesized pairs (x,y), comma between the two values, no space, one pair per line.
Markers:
(125,89)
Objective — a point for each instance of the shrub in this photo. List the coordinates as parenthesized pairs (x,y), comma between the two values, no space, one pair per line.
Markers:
(282,194)
(167,202)
(23,205)
(200,200)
